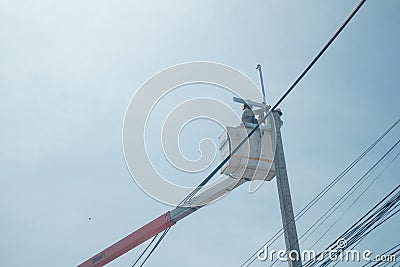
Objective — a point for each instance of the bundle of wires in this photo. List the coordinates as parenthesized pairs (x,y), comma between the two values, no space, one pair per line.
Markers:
(380,213)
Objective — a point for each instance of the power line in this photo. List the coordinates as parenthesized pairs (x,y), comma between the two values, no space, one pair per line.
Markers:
(384,253)
(305,71)
(290,89)
(359,238)
(361,234)
(354,201)
(155,246)
(304,210)
(389,251)
(375,217)
(352,189)
(332,209)
(344,197)
(357,233)
(144,251)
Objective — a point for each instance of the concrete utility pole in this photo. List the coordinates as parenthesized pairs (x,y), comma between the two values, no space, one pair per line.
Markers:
(285,200)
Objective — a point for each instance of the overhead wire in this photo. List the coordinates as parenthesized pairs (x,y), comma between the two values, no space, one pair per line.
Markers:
(288,91)
(343,198)
(366,216)
(320,221)
(352,189)
(144,251)
(358,229)
(376,216)
(359,238)
(384,253)
(394,253)
(305,209)
(386,217)
(355,200)
(155,246)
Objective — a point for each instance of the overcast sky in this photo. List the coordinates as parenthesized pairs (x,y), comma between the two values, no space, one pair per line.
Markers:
(68,70)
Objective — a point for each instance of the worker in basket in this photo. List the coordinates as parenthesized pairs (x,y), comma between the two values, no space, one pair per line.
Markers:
(248,115)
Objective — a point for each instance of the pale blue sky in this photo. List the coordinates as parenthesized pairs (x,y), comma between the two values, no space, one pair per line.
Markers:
(69,68)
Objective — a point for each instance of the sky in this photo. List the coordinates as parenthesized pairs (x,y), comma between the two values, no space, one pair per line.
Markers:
(68,70)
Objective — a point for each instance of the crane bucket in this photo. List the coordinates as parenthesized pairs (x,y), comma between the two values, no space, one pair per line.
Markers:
(255,158)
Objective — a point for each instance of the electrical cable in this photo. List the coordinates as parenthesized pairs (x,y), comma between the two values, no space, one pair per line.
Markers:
(392,253)
(305,209)
(375,217)
(304,238)
(387,218)
(359,226)
(155,246)
(343,198)
(384,253)
(144,251)
(305,71)
(352,189)
(354,201)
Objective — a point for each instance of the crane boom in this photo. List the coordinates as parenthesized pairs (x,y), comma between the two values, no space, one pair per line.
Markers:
(161,223)
(204,195)
(129,242)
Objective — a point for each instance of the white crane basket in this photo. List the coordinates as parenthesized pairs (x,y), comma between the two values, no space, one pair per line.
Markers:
(255,158)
